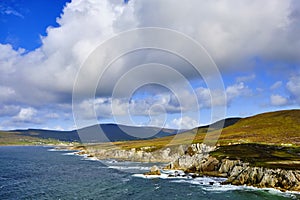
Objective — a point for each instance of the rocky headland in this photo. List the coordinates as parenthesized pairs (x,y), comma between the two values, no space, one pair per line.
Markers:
(196,159)
(237,172)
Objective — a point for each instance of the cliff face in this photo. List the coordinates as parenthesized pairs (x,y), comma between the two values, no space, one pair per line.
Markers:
(237,172)
(195,158)
(140,155)
(262,177)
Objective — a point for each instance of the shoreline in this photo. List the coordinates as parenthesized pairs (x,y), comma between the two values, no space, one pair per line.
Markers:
(177,164)
(201,163)
(94,158)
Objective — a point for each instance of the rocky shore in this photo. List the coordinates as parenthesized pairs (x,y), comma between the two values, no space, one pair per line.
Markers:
(237,172)
(196,159)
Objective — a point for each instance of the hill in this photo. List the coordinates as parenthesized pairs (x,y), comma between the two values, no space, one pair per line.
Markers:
(91,134)
(274,128)
(269,140)
(280,128)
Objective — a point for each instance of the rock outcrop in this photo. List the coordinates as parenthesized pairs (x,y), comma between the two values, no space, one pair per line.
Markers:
(196,159)
(145,154)
(265,178)
(237,172)
(153,171)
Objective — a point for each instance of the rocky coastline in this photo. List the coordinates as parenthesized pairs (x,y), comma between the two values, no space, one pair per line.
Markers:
(196,159)
(237,172)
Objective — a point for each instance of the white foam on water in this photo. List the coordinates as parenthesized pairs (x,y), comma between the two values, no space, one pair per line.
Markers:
(213,184)
(162,176)
(120,167)
(224,188)
(69,154)
(110,161)
(91,158)
(202,181)
(150,176)
(55,150)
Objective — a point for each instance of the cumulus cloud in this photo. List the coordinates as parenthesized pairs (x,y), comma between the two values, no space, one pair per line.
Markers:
(293,87)
(278,100)
(222,27)
(185,122)
(236,90)
(46,75)
(26,115)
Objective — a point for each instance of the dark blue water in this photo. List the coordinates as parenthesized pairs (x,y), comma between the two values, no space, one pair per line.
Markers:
(36,173)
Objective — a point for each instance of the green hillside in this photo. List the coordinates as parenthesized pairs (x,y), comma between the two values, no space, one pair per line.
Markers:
(274,128)
(267,140)
(280,128)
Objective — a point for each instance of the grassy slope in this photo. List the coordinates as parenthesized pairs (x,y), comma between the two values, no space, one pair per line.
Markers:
(15,138)
(281,127)
(270,156)
(274,128)
(268,140)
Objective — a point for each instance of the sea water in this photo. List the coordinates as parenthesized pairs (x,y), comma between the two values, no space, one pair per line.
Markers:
(37,173)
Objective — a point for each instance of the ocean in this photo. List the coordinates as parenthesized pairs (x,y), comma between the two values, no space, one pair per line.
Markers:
(36,172)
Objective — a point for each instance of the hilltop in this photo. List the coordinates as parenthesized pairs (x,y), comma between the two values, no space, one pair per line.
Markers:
(90,134)
(267,140)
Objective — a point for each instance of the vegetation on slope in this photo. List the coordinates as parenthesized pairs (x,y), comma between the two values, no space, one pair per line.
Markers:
(260,155)
(277,128)
(280,128)
(269,140)
(16,138)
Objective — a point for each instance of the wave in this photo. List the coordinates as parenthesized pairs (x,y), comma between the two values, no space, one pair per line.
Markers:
(129,167)
(69,154)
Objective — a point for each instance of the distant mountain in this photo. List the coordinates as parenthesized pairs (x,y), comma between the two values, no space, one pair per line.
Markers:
(100,133)
(114,132)
(221,123)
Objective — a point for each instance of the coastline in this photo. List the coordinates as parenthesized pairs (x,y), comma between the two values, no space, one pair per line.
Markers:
(196,159)
(192,159)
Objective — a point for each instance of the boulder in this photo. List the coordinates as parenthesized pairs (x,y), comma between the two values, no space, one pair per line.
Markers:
(154,170)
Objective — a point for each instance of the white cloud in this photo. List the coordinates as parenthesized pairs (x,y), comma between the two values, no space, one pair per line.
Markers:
(25,115)
(278,100)
(46,76)
(185,122)
(218,25)
(276,85)
(223,26)
(237,90)
(293,86)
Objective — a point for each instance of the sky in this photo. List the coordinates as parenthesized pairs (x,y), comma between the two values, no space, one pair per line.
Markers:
(54,53)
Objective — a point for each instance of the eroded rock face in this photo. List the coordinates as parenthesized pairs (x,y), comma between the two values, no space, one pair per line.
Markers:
(168,154)
(263,177)
(195,158)
(238,173)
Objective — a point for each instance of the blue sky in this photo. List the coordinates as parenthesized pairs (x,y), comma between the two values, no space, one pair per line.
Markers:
(43,44)
(24,22)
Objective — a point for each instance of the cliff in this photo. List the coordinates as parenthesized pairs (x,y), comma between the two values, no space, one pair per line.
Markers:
(237,172)
(196,158)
